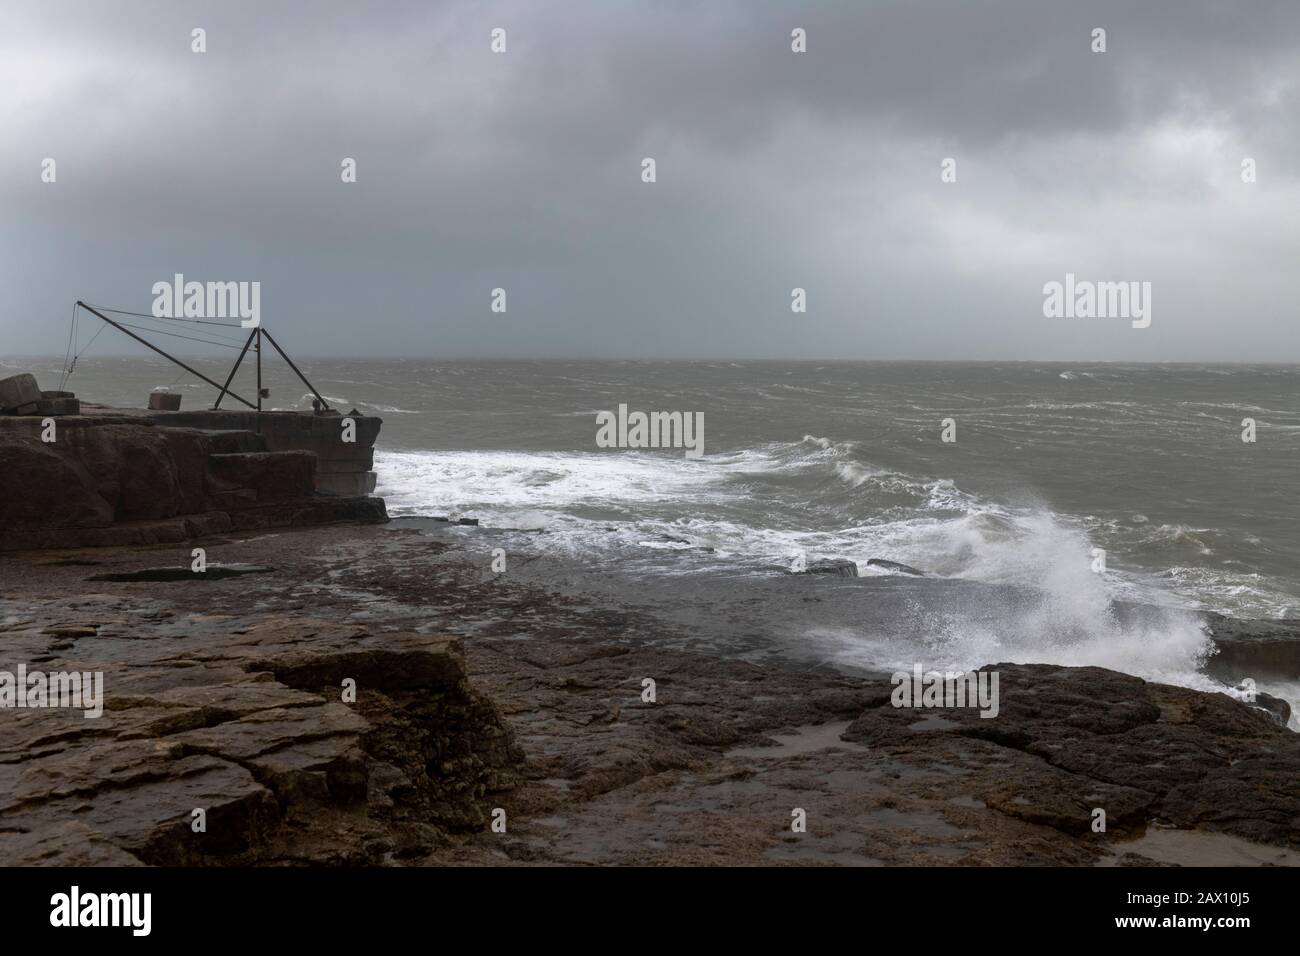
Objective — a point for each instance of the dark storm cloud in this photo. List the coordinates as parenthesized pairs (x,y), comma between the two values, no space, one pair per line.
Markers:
(776,170)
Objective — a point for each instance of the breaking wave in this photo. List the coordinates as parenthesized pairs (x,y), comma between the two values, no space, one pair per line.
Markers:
(762,508)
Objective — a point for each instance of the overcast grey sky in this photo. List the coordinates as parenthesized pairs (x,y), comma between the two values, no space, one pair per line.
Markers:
(775,169)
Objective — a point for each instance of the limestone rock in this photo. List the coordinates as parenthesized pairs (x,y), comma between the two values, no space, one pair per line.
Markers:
(894,566)
(109,481)
(1254,648)
(1065,737)
(835,567)
(274,768)
(18,391)
(281,474)
(58,406)
(40,488)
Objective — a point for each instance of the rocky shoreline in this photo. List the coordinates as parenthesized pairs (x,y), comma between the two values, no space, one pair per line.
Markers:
(481,700)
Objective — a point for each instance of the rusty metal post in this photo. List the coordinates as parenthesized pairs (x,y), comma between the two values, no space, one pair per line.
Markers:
(324,404)
(230,377)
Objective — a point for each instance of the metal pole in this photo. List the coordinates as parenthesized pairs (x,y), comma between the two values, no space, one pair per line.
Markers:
(324,404)
(170,358)
(242,352)
(259,371)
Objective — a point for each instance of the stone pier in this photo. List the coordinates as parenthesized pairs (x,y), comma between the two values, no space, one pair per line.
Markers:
(342,468)
(121,477)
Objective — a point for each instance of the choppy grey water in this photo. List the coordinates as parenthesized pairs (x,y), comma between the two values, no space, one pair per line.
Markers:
(845,460)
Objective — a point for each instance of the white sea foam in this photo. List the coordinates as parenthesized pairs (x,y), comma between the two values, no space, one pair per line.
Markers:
(658,505)
(434,482)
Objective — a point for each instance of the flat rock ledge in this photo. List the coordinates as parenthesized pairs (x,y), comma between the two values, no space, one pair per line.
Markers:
(252,729)
(1069,740)
(228,697)
(712,773)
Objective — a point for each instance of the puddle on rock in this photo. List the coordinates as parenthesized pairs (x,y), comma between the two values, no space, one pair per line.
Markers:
(804,740)
(1203,848)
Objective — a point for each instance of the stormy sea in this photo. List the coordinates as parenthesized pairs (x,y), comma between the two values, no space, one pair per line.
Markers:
(1077,514)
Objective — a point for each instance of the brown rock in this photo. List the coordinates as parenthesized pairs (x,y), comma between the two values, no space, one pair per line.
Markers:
(110,480)
(1259,648)
(281,474)
(1069,736)
(41,488)
(18,391)
(58,406)
(281,773)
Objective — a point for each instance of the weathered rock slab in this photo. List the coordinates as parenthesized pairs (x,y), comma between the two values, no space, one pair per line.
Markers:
(17,391)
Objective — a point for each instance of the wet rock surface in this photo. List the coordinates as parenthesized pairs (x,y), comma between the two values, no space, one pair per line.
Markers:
(215,573)
(835,567)
(248,724)
(229,697)
(894,566)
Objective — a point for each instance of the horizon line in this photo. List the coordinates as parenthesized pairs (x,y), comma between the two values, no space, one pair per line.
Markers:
(708,359)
